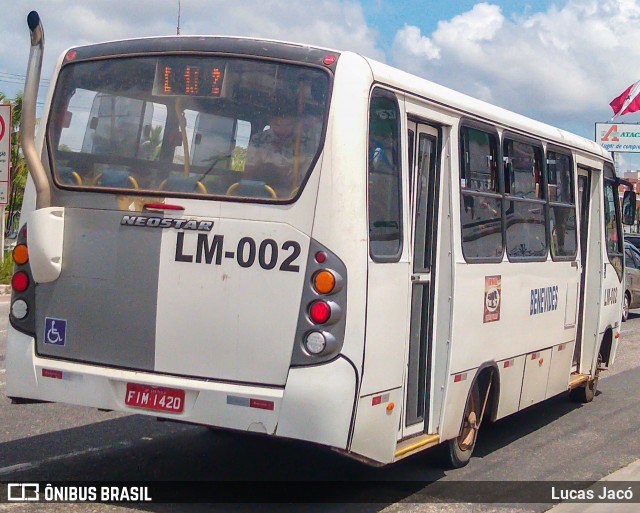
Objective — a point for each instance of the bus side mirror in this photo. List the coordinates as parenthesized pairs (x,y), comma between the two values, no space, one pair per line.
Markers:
(629,208)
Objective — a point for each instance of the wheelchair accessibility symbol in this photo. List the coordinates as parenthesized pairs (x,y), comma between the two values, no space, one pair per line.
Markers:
(54,331)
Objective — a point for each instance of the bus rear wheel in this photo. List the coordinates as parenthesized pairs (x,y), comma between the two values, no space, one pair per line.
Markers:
(626,301)
(586,393)
(461,448)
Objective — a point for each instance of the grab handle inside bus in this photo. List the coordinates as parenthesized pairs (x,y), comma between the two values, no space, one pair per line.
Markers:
(28,122)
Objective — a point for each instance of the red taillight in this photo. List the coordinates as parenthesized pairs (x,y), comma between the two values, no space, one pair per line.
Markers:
(329,60)
(20,281)
(321,257)
(162,206)
(319,312)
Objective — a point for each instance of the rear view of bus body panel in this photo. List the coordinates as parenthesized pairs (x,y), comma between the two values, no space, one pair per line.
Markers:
(314,403)
(141,306)
(172,323)
(199,303)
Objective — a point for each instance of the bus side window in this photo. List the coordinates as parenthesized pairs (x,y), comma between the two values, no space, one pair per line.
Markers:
(385,207)
(481,214)
(613,228)
(526,213)
(562,211)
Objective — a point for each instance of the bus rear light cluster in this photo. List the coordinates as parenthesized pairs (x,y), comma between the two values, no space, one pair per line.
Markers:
(22,315)
(321,323)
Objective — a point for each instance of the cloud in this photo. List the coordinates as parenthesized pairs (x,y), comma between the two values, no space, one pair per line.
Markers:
(336,24)
(409,41)
(563,65)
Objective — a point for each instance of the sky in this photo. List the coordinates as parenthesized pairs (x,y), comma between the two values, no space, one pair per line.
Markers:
(557,61)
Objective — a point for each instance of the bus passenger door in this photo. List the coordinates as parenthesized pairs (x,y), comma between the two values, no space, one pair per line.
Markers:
(423,164)
(590,267)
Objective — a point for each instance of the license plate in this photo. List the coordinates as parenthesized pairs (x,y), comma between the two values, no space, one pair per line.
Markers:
(154,398)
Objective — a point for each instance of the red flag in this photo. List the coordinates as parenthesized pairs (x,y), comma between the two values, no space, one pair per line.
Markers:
(627,102)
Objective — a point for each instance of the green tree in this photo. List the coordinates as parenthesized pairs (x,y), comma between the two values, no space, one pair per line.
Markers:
(18,165)
(155,139)
(238,158)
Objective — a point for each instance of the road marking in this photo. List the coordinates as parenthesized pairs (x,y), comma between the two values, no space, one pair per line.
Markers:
(34,464)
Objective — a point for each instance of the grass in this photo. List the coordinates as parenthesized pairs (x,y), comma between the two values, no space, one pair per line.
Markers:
(6,268)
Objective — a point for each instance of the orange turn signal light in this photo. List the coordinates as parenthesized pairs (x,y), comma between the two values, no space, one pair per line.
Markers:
(324,282)
(21,254)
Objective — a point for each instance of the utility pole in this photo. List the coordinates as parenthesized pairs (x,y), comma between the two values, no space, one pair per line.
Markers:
(178,27)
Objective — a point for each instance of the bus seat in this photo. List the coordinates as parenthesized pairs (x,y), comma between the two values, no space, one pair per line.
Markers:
(183,184)
(217,184)
(251,189)
(68,176)
(112,176)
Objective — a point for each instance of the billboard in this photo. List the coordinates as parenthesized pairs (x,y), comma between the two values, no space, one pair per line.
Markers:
(5,152)
(619,137)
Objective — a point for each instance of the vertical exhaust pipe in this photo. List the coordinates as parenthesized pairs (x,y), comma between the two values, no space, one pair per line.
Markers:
(28,123)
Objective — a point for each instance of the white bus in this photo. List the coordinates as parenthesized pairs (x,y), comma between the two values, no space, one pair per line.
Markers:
(397,264)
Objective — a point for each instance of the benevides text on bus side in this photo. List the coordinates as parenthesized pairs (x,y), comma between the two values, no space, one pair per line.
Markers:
(544,299)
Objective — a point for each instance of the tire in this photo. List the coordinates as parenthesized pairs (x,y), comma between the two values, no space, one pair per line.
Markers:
(586,393)
(461,448)
(625,306)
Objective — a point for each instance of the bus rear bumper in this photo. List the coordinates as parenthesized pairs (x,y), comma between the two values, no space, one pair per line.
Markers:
(315,405)
(225,405)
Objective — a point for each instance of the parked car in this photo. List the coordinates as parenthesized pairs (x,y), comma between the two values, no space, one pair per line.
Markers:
(633,238)
(10,241)
(631,297)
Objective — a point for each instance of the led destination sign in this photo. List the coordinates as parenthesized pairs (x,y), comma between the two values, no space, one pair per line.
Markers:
(183,77)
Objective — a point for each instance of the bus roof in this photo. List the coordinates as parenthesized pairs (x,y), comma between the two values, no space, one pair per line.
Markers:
(480,109)
(226,44)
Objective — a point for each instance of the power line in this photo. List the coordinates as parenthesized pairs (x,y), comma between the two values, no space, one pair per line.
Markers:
(11,78)
(22,77)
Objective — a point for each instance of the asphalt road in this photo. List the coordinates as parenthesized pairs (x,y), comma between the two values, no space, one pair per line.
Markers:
(555,441)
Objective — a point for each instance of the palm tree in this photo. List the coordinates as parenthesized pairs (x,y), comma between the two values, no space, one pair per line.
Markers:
(18,164)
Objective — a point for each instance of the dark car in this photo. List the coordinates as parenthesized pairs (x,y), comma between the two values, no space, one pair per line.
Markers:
(10,241)
(631,297)
(633,238)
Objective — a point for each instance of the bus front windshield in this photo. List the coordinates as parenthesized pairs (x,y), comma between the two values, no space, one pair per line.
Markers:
(195,125)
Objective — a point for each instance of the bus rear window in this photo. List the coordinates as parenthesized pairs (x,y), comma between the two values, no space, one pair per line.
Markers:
(187,125)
